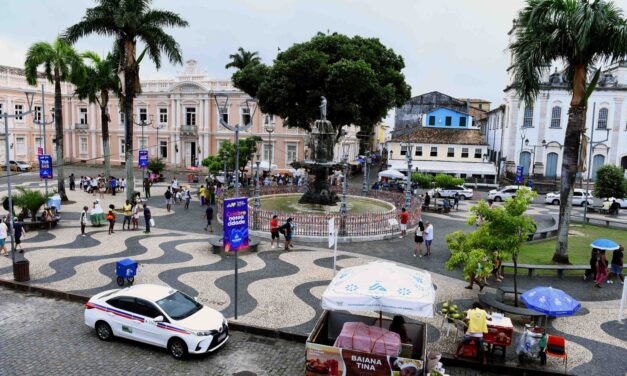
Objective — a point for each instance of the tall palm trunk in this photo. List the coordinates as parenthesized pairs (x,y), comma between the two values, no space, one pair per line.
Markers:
(570,160)
(104,121)
(130,77)
(58,127)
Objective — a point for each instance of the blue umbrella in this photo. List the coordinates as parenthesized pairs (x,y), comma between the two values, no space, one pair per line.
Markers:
(605,244)
(550,301)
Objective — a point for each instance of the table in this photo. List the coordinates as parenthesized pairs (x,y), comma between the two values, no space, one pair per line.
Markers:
(499,335)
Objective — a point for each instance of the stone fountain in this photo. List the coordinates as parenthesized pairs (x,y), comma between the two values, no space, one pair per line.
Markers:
(320,162)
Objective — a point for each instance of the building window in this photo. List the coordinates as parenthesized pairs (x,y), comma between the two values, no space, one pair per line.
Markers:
(434,151)
(83,116)
(190,115)
(37,113)
(122,118)
(451,153)
(418,151)
(244,115)
(431,120)
(82,145)
(602,123)
(291,153)
(448,120)
(225,117)
(19,109)
(20,145)
(143,114)
(0,108)
(38,142)
(528,118)
(267,152)
(163,115)
(52,112)
(122,148)
(163,146)
(556,117)
(478,153)
(403,150)
(462,121)
(464,152)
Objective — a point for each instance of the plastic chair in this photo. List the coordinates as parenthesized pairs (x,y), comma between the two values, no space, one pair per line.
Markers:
(553,344)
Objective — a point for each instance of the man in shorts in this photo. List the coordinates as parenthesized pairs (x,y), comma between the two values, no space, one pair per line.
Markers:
(18,232)
(616,266)
(3,238)
(404,217)
(168,199)
(274,231)
(128,212)
(428,234)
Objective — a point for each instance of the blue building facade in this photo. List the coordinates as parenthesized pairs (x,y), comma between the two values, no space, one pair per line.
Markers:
(447,118)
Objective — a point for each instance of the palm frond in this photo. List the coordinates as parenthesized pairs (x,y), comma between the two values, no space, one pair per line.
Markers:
(38,54)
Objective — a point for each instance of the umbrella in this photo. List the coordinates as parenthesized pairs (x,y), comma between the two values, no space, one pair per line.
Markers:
(605,244)
(391,174)
(550,301)
(381,286)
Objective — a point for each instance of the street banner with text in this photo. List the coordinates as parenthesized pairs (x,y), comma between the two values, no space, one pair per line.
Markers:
(45,166)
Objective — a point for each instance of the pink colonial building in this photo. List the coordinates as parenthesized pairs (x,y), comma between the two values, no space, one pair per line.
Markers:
(182,113)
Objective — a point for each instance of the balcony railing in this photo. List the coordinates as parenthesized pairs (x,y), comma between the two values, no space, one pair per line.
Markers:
(81,126)
(189,129)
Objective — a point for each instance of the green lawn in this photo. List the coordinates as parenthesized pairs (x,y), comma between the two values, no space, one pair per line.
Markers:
(579,239)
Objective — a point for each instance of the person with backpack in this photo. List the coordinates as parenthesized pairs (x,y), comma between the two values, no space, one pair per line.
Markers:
(83,220)
(168,199)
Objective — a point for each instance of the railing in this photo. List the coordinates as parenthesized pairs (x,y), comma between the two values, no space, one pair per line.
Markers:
(81,126)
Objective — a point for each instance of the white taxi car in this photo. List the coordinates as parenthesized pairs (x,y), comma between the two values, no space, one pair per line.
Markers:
(464,193)
(157,315)
(506,192)
(580,198)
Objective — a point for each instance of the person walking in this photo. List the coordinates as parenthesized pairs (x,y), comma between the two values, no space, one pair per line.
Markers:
(616,266)
(168,199)
(201,195)
(209,216)
(111,218)
(114,185)
(428,237)
(274,232)
(18,232)
(128,213)
(601,269)
(592,272)
(404,218)
(72,182)
(188,197)
(83,220)
(3,238)
(122,184)
(287,231)
(456,201)
(147,218)
(147,184)
(419,238)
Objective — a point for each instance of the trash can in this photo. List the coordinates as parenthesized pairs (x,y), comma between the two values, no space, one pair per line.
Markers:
(21,272)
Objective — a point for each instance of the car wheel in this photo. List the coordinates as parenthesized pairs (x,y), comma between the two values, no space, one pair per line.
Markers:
(103,331)
(498,199)
(462,197)
(555,202)
(584,203)
(177,348)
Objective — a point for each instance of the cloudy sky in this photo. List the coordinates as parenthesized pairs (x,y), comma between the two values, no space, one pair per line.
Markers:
(454,46)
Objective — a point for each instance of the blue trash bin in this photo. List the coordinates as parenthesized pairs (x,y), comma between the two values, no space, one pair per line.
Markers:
(125,270)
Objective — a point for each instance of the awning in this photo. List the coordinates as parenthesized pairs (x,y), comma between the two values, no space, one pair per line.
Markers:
(468,168)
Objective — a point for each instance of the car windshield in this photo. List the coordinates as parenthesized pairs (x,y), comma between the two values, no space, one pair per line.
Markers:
(179,306)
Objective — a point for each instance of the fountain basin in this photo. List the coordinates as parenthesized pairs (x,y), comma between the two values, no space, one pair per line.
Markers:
(288,203)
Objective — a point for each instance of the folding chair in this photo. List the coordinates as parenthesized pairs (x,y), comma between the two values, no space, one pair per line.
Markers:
(556,347)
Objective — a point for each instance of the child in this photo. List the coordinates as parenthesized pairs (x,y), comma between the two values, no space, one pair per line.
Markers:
(111,218)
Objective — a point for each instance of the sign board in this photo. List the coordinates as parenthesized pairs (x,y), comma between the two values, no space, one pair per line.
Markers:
(45,166)
(331,232)
(143,158)
(235,220)
(519,174)
(40,150)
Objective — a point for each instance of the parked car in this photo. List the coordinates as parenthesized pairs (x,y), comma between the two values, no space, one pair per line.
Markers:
(503,193)
(580,198)
(464,193)
(157,315)
(19,166)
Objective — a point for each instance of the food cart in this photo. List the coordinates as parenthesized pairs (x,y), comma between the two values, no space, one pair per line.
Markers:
(344,343)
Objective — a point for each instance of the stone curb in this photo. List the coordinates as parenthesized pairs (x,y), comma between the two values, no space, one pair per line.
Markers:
(500,369)
(75,298)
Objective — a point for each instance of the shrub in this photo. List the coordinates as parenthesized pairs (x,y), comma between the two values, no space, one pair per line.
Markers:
(447,181)
(423,180)
(156,165)
(31,200)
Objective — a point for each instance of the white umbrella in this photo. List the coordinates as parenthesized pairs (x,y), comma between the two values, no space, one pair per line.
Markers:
(381,286)
(391,174)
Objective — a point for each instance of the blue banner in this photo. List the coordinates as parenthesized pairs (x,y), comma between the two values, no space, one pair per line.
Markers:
(143,158)
(45,166)
(519,174)
(235,220)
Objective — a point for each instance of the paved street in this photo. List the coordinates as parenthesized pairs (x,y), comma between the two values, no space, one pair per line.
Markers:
(53,333)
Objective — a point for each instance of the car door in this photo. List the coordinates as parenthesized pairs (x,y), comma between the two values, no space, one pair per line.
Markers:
(510,192)
(577,198)
(121,316)
(148,330)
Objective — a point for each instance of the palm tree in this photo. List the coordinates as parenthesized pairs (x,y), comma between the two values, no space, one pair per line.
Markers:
(130,21)
(242,58)
(581,34)
(61,63)
(100,78)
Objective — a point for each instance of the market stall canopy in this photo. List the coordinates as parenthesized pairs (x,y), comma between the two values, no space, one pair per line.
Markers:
(263,166)
(550,301)
(605,244)
(391,174)
(381,286)
(284,171)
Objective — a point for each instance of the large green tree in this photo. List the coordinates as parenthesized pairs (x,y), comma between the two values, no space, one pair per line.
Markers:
(130,22)
(580,34)
(610,182)
(360,78)
(61,64)
(98,81)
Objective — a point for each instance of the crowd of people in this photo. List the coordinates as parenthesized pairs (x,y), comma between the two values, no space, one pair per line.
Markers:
(99,184)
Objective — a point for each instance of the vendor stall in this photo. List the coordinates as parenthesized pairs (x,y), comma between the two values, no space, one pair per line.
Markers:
(348,344)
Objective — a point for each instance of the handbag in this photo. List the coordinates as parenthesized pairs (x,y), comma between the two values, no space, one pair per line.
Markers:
(152,222)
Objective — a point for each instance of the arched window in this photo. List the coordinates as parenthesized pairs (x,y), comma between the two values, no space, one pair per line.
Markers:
(525,162)
(528,118)
(602,123)
(556,116)
(551,165)
(597,162)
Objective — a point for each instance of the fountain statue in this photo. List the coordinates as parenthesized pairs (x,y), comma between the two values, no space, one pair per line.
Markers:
(319,163)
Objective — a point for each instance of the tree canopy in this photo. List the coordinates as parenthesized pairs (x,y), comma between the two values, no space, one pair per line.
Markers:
(610,182)
(247,149)
(360,77)
(243,58)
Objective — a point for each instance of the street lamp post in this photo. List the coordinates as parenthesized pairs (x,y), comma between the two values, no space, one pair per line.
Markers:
(269,126)
(6,116)
(224,99)
(143,123)
(42,123)
(408,184)
(364,187)
(343,208)
(257,204)
(593,144)
(158,126)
